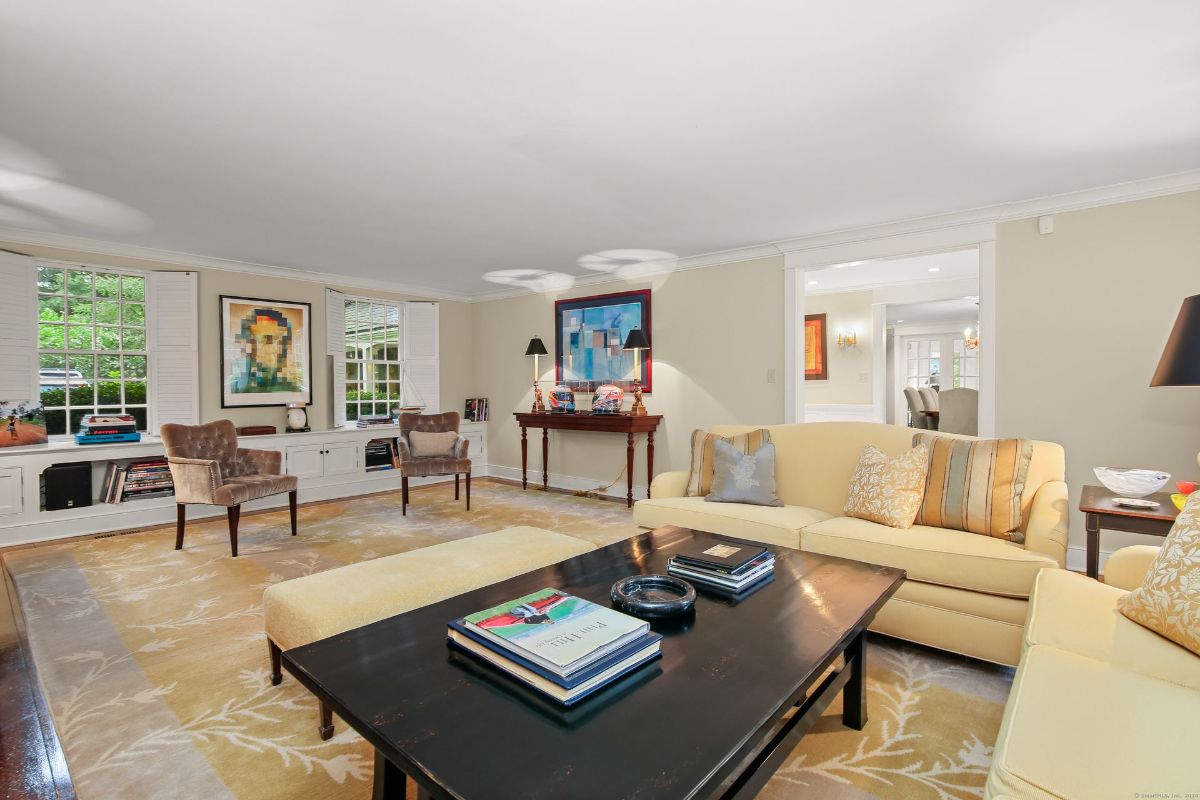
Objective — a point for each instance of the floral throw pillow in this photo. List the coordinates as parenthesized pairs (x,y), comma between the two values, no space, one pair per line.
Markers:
(1168,601)
(888,490)
(740,478)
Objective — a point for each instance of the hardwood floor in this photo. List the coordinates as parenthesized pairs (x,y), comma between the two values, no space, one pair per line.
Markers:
(31,758)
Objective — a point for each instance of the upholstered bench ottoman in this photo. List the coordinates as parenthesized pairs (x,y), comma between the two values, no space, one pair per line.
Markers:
(304,610)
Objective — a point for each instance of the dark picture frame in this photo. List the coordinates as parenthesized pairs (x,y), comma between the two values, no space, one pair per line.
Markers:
(588,336)
(233,353)
(816,348)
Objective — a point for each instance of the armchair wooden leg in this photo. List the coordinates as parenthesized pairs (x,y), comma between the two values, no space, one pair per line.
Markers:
(325,729)
(180,519)
(276,663)
(234,513)
(468,490)
(404,496)
(456,486)
(292,509)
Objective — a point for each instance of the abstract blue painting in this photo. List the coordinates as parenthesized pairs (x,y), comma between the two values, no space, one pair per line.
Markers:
(589,336)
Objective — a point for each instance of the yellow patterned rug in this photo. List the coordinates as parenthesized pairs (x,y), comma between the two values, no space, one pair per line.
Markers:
(155,667)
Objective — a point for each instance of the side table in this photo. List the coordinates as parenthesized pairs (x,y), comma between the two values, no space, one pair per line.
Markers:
(1100,511)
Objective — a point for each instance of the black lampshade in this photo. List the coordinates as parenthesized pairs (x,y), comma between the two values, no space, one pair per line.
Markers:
(1180,362)
(636,340)
(536,348)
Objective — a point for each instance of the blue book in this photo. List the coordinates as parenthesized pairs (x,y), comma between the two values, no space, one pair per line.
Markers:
(107,438)
(460,630)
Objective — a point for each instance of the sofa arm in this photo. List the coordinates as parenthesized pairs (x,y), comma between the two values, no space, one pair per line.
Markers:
(259,462)
(403,453)
(1046,528)
(1126,568)
(196,479)
(668,484)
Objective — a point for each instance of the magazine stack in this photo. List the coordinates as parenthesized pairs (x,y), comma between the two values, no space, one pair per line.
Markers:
(107,428)
(374,421)
(560,645)
(732,568)
(147,477)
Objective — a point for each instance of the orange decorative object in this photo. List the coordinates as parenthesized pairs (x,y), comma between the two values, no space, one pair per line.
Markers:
(816,348)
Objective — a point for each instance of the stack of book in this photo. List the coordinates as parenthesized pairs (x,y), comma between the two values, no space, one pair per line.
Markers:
(562,646)
(148,477)
(107,428)
(728,567)
(374,421)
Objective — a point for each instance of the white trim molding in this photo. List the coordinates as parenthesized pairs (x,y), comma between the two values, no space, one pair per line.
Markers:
(841,412)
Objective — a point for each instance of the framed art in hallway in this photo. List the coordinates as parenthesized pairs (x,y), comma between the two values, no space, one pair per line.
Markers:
(816,348)
(589,338)
(266,352)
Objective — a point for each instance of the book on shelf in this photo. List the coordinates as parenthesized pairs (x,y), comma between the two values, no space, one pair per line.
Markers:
(562,645)
(150,477)
(107,438)
(374,421)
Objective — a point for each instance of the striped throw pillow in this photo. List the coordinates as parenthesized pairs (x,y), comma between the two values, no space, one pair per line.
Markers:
(701,476)
(975,485)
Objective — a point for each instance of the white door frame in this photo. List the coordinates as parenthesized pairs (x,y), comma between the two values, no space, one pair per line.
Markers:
(887,242)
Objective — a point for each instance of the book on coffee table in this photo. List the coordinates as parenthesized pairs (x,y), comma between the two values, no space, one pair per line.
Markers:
(753,572)
(724,557)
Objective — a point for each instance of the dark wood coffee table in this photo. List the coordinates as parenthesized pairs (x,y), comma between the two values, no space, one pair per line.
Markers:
(736,688)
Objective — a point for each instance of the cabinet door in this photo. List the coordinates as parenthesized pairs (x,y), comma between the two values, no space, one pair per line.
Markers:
(477,451)
(305,460)
(10,490)
(341,458)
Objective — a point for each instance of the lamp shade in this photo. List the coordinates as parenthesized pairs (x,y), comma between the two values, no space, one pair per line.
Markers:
(1180,362)
(636,340)
(536,348)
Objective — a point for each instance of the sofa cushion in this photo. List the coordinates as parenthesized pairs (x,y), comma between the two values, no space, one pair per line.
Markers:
(243,488)
(1067,711)
(770,525)
(933,555)
(1075,613)
(885,489)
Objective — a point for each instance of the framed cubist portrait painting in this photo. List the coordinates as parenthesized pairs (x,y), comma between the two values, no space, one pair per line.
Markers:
(816,348)
(590,335)
(266,352)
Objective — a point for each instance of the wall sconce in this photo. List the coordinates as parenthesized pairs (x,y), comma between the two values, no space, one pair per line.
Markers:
(972,342)
(845,340)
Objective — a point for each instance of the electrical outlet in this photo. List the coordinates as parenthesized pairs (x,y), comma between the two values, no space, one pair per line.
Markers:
(770,376)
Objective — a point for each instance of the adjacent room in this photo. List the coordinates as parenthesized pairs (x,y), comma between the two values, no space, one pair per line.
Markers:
(597,402)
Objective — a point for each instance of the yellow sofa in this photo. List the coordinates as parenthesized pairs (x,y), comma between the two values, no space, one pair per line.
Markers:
(965,593)
(1100,707)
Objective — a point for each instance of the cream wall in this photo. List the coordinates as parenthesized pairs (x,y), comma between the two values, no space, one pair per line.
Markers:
(845,312)
(454,330)
(1083,314)
(715,333)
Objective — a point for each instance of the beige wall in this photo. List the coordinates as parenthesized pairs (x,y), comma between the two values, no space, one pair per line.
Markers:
(715,333)
(850,368)
(454,325)
(1084,313)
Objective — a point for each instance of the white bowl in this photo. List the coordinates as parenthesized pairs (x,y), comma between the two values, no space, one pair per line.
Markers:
(1128,482)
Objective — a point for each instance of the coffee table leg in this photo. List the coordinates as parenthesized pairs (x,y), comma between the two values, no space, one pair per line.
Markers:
(1091,522)
(854,696)
(389,780)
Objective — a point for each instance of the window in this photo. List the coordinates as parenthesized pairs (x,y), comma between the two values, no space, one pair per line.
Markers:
(923,362)
(374,368)
(966,366)
(91,345)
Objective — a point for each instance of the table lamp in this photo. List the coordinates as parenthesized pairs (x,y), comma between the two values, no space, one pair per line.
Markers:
(1180,362)
(535,349)
(636,341)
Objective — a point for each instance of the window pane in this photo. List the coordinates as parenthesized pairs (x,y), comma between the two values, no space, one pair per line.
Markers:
(51,337)
(108,390)
(135,391)
(393,372)
(79,311)
(133,288)
(377,350)
(50,279)
(56,423)
(107,312)
(109,367)
(107,285)
(135,315)
(79,337)
(108,338)
(351,372)
(139,414)
(50,308)
(380,372)
(133,338)
(79,283)
(81,369)
(135,366)
(77,416)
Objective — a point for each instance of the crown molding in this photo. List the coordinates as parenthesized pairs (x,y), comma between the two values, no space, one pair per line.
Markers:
(80,244)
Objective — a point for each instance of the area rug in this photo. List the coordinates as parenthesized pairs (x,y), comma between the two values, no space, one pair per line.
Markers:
(154,661)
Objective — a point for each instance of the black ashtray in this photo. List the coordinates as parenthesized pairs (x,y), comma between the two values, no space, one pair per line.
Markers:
(653,596)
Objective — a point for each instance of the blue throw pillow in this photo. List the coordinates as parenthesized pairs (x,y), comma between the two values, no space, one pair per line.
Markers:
(741,478)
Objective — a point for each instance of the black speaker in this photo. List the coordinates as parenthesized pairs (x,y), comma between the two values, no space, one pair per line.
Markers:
(68,485)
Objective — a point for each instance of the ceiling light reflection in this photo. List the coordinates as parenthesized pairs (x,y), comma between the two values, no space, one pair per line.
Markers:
(533,280)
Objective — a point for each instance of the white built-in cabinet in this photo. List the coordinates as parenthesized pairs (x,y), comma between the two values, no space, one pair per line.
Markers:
(323,459)
(10,491)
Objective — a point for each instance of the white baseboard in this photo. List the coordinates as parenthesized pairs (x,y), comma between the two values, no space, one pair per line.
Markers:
(568,482)
(1077,559)
(839,412)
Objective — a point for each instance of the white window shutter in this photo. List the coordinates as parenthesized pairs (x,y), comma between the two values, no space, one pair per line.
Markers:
(174,359)
(335,348)
(18,328)
(423,376)
(420,330)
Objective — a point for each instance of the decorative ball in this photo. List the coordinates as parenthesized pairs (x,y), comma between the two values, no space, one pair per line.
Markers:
(607,399)
(562,398)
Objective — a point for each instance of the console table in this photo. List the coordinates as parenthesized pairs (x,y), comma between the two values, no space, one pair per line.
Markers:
(1100,511)
(603,423)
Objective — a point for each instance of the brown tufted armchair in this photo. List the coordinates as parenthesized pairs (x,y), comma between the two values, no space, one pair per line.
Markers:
(208,467)
(454,462)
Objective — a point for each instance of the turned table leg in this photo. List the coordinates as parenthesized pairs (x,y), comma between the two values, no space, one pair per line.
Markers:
(629,470)
(524,456)
(545,458)
(649,461)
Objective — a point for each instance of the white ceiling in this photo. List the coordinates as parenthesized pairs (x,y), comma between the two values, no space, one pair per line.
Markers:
(431,143)
(865,275)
